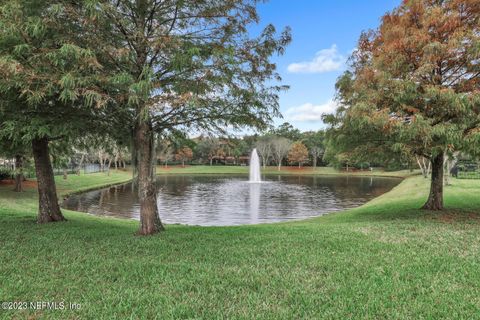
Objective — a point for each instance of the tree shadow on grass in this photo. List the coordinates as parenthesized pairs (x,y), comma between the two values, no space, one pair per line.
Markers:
(404,210)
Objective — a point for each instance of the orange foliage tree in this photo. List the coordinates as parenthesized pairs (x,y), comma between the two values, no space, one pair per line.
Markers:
(184,154)
(298,154)
(413,87)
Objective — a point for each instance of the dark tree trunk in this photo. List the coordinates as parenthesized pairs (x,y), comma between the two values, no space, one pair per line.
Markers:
(48,209)
(149,219)
(18,173)
(435,198)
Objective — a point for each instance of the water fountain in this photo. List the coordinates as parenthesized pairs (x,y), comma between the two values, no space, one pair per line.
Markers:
(255,167)
(221,200)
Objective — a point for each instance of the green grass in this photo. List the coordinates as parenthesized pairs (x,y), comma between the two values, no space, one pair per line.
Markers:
(469,175)
(274,170)
(384,260)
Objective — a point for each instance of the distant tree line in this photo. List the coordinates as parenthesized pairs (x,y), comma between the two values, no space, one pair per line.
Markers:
(284,145)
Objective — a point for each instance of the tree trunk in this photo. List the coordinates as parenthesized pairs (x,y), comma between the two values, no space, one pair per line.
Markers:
(144,139)
(65,174)
(314,162)
(48,209)
(211,161)
(435,198)
(449,164)
(18,173)
(80,164)
(116,160)
(279,165)
(422,166)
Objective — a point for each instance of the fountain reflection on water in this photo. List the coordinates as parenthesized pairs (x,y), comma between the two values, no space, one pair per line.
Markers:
(255,179)
(254,202)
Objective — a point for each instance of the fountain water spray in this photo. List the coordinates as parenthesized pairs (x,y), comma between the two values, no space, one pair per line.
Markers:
(255,167)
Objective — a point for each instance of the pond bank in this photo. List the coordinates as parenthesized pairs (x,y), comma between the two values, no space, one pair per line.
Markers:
(284,171)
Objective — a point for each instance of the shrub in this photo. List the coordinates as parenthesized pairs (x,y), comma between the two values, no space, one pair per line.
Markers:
(5,173)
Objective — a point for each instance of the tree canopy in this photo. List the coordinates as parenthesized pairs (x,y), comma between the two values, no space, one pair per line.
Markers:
(413,87)
(49,86)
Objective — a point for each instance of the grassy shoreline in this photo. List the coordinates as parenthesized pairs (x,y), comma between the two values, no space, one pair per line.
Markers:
(124,176)
(385,259)
(284,171)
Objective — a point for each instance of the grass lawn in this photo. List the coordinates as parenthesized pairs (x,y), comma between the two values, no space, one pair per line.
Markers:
(469,175)
(384,260)
(274,170)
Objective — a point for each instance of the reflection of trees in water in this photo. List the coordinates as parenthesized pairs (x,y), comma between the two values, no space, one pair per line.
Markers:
(345,188)
(114,201)
(224,200)
(174,185)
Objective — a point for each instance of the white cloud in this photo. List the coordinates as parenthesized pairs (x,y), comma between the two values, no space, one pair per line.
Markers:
(325,60)
(309,112)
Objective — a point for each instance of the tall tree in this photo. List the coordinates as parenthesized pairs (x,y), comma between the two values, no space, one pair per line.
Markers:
(280,148)
(208,148)
(298,154)
(48,85)
(184,154)
(314,141)
(264,148)
(240,149)
(187,64)
(288,131)
(165,150)
(414,86)
(18,151)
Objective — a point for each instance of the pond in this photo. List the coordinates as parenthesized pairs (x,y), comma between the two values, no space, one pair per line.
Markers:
(221,200)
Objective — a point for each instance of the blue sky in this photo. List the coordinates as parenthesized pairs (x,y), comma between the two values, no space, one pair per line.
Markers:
(324,34)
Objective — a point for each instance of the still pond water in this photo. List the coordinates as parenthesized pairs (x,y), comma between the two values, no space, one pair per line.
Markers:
(221,200)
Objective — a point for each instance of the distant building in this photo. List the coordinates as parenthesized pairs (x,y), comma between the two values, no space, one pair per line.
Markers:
(6,162)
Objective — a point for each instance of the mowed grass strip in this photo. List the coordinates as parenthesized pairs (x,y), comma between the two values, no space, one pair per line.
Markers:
(384,260)
(285,170)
